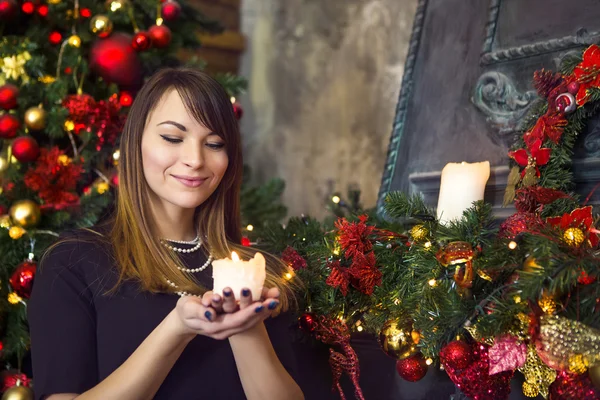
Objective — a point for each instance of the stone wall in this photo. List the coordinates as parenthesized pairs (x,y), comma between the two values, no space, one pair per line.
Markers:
(324,79)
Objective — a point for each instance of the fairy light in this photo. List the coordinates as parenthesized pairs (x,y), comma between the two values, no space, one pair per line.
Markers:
(232,99)
(336,199)
(289,276)
(359,328)
(250,228)
(432,282)
(429,361)
(427,245)
(512,245)
(159,21)
(116,155)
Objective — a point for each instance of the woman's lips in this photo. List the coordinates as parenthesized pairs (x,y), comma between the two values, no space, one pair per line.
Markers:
(189,181)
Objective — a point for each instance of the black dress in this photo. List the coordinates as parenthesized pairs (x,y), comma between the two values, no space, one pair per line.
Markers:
(80,334)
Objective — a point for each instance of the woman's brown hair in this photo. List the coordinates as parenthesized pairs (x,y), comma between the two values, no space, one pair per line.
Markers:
(134,236)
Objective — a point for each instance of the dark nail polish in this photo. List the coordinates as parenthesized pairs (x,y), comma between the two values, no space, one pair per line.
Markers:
(227,293)
(217,299)
(259,309)
(246,292)
(272,305)
(208,315)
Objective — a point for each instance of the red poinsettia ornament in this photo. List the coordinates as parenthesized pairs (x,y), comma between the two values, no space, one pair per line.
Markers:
(579,220)
(291,257)
(338,277)
(354,237)
(587,74)
(534,157)
(548,126)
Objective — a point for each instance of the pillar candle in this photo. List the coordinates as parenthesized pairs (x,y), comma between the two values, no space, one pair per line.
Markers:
(238,274)
(461,185)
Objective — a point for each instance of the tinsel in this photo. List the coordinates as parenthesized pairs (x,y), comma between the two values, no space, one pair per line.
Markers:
(54,177)
(476,382)
(507,353)
(291,257)
(520,223)
(530,199)
(567,345)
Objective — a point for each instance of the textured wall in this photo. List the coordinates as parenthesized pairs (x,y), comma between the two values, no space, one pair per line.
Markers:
(324,80)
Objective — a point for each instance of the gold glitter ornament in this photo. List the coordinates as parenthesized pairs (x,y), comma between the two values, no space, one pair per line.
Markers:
(16,232)
(396,338)
(5,221)
(419,232)
(547,303)
(47,79)
(574,237)
(14,298)
(13,67)
(538,376)
(561,341)
(74,41)
(577,364)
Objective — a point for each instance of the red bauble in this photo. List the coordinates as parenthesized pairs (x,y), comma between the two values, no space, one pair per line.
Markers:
(573,87)
(85,12)
(55,38)
(125,99)
(476,382)
(161,35)
(572,386)
(8,96)
(116,61)
(457,354)
(8,9)
(245,242)
(28,7)
(141,41)
(25,149)
(171,10)
(9,125)
(22,279)
(308,322)
(565,103)
(115,180)
(42,10)
(413,368)
(237,110)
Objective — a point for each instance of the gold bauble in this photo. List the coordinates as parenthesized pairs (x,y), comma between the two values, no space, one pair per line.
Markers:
(577,364)
(18,393)
(47,79)
(101,186)
(101,26)
(54,1)
(117,5)
(16,232)
(25,213)
(594,374)
(418,232)
(5,221)
(574,237)
(531,265)
(396,339)
(14,298)
(530,389)
(35,118)
(74,41)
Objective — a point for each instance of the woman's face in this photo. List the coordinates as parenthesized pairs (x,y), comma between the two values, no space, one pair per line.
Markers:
(183,160)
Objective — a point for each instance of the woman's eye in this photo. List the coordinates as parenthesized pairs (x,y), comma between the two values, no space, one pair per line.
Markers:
(216,146)
(171,140)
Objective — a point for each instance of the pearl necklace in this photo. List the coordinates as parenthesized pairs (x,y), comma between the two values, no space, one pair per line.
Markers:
(196,241)
(180,293)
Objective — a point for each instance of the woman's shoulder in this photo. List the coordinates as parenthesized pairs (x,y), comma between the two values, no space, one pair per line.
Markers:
(79,249)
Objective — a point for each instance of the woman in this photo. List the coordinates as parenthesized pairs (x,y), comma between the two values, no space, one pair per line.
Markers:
(110,314)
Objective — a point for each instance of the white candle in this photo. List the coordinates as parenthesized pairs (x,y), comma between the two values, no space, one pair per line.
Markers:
(238,274)
(461,185)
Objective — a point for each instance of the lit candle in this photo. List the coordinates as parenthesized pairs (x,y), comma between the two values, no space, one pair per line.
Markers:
(461,185)
(238,274)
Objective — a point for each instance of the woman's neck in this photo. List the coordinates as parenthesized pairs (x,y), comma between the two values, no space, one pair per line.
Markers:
(175,223)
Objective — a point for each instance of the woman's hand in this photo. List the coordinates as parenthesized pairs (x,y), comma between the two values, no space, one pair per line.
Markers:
(220,318)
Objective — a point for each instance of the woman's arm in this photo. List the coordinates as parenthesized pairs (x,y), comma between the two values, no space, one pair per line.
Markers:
(141,375)
(257,363)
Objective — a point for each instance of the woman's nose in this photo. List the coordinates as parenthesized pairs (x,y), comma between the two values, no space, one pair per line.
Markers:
(192,156)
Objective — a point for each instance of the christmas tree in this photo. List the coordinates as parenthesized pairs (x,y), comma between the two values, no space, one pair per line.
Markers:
(477,299)
(69,72)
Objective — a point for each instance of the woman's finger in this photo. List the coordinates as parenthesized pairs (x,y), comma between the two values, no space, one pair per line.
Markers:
(207,298)
(270,293)
(229,302)
(217,303)
(245,298)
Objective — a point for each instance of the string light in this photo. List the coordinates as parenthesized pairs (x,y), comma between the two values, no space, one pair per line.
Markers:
(427,245)
(432,282)
(360,328)
(159,21)
(289,276)
(232,99)
(336,199)
(116,155)
(429,361)
(250,228)
(512,245)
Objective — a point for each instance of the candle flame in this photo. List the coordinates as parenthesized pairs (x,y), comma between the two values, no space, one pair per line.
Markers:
(234,256)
